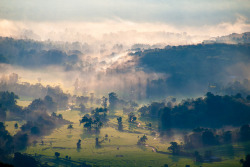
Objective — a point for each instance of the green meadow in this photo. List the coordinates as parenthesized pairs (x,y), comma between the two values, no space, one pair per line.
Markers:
(119,148)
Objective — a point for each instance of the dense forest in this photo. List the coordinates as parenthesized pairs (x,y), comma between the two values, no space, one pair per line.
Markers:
(192,68)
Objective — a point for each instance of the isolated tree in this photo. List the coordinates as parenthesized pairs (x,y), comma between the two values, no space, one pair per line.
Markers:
(70,126)
(175,148)
(120,126)
(87,122)
(149,125)
(78,144)
(53,115)
(57,154)
(97,143)
(104,102)
(113,101)
(16,126)
(142,140)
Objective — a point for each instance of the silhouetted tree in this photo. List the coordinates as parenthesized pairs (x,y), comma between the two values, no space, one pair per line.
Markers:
(97,143)
(57,154)
(113,101)
(131,117)
(78,144)
(120,126)
(142,140)
(16,126)
(104,102)
(245,163)
(175,148)
(70,126)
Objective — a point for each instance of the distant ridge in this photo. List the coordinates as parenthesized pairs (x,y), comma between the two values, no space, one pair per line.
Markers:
(233,38)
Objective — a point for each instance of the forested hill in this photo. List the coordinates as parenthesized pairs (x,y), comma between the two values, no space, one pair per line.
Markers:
(233,38)
(195,66)
(29,53)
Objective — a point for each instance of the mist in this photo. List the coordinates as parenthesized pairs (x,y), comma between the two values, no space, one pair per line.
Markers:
(124,83)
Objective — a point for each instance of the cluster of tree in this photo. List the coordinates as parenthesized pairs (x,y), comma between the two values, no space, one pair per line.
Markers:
(116,103)
(24,89)
(177,149)
(233,38)
(190,67)
(36,91)
(89,99)
(201,137)
(95,120)
(39,122)
(58,96)
(211,111)
(10,144)
(8,103)
(131,117)
(80,99)
(46,104)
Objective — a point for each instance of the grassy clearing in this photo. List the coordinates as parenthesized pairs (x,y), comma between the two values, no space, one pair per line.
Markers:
(23,103)
(64,141)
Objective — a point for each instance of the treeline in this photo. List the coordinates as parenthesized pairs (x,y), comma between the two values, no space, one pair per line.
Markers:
(10,83)
(202,137)
(191,67)
(231,88)
(34,54)
(211,111)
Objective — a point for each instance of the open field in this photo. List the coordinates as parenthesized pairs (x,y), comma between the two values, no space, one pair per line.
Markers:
(64,141)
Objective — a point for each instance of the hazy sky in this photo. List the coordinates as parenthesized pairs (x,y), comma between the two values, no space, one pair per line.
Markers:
(196,17)
(177,12)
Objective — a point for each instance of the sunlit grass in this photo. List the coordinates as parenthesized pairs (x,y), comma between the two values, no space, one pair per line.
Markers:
(64,141)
